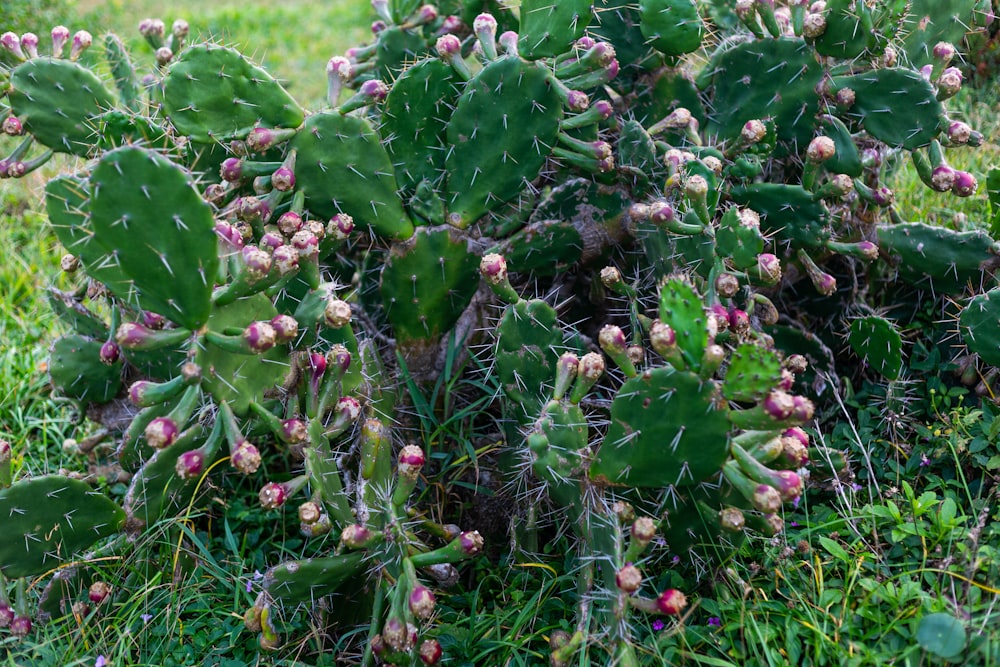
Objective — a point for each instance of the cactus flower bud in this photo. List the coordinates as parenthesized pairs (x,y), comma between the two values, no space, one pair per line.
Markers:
(471,542)
(231,170)
(803,409)
(245,458)
(20,626)
(339,357)
(411,461)
(69,263)
(286,328)
(261,139)
(950,82)
(628,579)
(612,339)
(260,337)
(591,367)
(163,56)
(798,434)
(374,89)
(696,187)
(12,126)
(793,452)
(309,513)
(12,43)
(294,431)
(257,263)
(779,405)
(813,26)
(340,226)
(965,184)
(821,149)
(958,132)
(732,520)
(6,615)
(663,338)
(603,109)
(769,267)
(485,24)
(273,495)
(110,353)
(661,213)
(190,464)
(81,42)
(643,530)
(285,259)
(355,536)
(753,131)
(671,602)
(448,46)
(430,652)
(727,285)
(60,35)
(283,179)
(944,52)
(306,243)
(161,432)
(98,592)
(577,100)
(493,269)
(766,499)
(739,321)
(337,313)
(422,602)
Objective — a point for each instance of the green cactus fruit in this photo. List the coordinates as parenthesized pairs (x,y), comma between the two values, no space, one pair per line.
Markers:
(672,27)
(499,136)
(212,93)
(950,260)
(48,520)
(979,324)
(787,211)
(549,28)
(307,580)
(742,243)
(665,431)
(427,282)
(767,79)
(528,340)
(342,167)
(57,101)
(849,30)
(878,343)
(77,371)
(67,205)
(415,120)
(846,160)
(559,455)
(122,72)
(637,151)
(753,371)
(897,106)
(147,214)
(238,379)
(681,309)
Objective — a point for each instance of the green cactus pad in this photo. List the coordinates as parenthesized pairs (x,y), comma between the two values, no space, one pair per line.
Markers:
(147,215)
(238,379)
(58,100)
(49,519)
(667,90)
(878,343)
(559,459)
(950,260)
(212,93)
(395,48)
(742,243)
(500,135)
(528,340)
(67,205)
(415,120)
(897,106)
(788,211)
(753,372)
(122,71)
(427,282)
(119,128)
(342,167)
(549,27)
(846,160)
(681,309)
(76,370)
(767,79)
(665,431)
(931,21)
(74,314)
(618,22)
(637,150)
(310,579)
(849,30)
(980,326)
(672,27)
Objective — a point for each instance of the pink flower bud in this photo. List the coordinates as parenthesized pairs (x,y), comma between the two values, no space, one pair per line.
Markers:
(286,328)
(337,313)
(643,530)
(161,432)
(245,458)
(628,579)
(260,337)
(340,226)
(422,602)
(273,495)
(98,592)
(12,126)
(965,184)
(81,42)
(283,179)
(190,464)
(60,35)
(471,542)
(430,652)
(448,46)
(671,602)
(766,499)
(493,269)
(110,353)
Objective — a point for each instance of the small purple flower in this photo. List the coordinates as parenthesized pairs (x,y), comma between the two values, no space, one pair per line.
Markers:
(793,524)
(146,618)
(715,621)
(101,661)
(658,625)
(924,461)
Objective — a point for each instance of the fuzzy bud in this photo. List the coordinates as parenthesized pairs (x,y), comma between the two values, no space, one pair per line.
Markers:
(739,321)
(732,520)
(959,133)
(821,149)
(12,126)
(662,337)
(69,263)
(355,536)
(813,26)
(340,226)
(577,100)
(272,496)
(374,89)
(604,109)
(190,464)
(612,339)
(283,179)
(766,499)
(245,458)
(779,405)
(231,170)
(448,46)
(411,461)
(285,259)
(944,52)
(98,592)
(844,98)
(628,579)
(12,43)
(81,42)
(661,213)
(294,431)
(286,328)
(161,432)
(671,602)
(257,263)
(110,353)
(769,267)
(802,409)
(6,615)
(727,285)
(950,82)
(337,313)
(422,602)
(643,530)
(493,269)
(339,357)
(260,337)
(309,512)
(696,187)
(753,131)
(965,184)
(430,652)
(60,35)
(591,367)
(889,57)
(471,542)
(163,56)
(20,626)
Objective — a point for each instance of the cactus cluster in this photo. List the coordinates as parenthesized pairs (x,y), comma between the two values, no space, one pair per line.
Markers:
(252,277)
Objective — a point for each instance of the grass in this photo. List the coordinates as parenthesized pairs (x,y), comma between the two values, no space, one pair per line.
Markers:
(850,582)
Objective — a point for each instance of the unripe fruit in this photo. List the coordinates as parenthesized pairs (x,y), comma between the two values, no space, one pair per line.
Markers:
(190,464)
(98,592)
(493,269)
(628,579)
(110,353)
(309,512)
(430,652)
(272,496)
(245,458)
(337,313)
(422,602)
(671,602)
(161,432)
